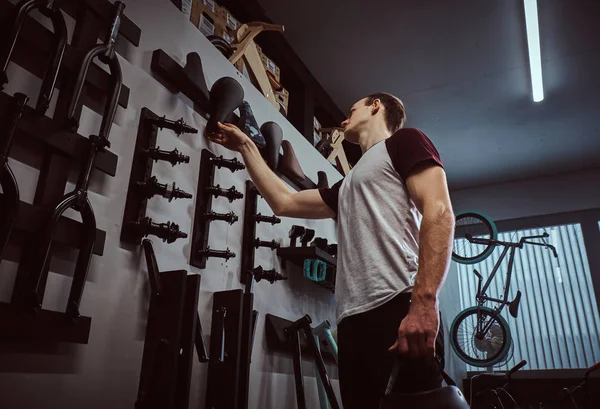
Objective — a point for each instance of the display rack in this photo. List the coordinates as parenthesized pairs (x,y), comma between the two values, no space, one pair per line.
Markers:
(172,331)
(142,186)
(297,255)
(203,215)
(63,149)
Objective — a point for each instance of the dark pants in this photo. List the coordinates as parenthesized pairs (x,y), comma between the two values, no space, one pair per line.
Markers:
(365,364)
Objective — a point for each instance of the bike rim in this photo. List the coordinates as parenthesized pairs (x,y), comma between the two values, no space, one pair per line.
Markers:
(478,226)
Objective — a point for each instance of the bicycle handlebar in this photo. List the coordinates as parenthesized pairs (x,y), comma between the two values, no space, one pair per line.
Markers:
(476,240)
(516,368)
(591,369)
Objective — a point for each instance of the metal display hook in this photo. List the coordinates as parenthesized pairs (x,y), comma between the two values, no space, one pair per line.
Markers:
(49,9)
(10,189)
(78,199)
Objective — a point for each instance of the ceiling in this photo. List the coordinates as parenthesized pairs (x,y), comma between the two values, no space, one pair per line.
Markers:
(462,69)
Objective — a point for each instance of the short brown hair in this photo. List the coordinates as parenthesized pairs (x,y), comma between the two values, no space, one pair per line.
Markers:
(395,114)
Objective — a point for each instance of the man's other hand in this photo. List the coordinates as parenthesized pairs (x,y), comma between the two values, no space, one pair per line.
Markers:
(418,331)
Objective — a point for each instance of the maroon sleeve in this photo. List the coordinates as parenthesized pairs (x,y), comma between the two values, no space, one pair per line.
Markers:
(330,195)
(410,148)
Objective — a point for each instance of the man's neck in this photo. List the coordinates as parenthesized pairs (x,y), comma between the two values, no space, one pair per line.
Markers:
(373,136)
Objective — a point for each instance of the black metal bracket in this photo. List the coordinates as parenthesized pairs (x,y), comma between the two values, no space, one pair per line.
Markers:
(203,215)
(142,185)
(293,333)
(222,387)
(172,332)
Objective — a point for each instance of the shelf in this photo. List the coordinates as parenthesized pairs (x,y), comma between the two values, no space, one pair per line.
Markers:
(297,255)
(48,131)
(44,325)
(31,53)
(68,231)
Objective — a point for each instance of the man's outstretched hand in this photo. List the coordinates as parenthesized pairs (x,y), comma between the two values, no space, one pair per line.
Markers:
(229,136)
(418,331)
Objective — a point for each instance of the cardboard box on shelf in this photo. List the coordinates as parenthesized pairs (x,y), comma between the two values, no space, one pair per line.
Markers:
(283,97)
(184,5)
(224,33)
(270,65)
(316,124)
(230,21)
(205,15)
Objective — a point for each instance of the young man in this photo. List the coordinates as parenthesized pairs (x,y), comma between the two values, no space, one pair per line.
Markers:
(395,232)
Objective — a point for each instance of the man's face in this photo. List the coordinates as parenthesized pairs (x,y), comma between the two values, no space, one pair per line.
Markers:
(359,116)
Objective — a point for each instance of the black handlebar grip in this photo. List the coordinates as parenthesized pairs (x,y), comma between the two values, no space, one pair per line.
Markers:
(517,367)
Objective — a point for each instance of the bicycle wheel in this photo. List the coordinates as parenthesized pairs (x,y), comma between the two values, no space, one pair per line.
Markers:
(477,225)
(484,352)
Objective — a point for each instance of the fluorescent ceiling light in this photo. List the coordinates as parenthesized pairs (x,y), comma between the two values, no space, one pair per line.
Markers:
(533,41)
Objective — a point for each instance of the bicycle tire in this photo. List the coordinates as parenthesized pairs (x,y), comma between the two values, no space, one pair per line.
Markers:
(502,350)
(489,229)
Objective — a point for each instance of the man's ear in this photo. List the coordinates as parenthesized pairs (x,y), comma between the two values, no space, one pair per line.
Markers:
(375,106)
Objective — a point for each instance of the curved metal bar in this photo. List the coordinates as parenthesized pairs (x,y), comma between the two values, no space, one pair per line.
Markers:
(9,204)
(48,9)
(110,109)
(53,67)
(39,264)
(23,8)
(89,57)
(83,260)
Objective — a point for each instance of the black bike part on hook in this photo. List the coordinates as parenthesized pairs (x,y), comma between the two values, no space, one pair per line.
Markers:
(49,9)
(152,187)
(231,193)
(168,232)
(106,53)
(78,198)
(179,126)
(226,254)
(174,157)
(226,217)
(270,244)
(269,219)
(231,164)
(269,275)
(10,199)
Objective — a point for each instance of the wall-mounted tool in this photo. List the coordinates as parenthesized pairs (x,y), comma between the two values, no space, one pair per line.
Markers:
(78,199)
(203,215)
(222,385)
(10,198)
(143,186)
(49,9)
(230,217)
(168,232)
(174,157)
(208,252)
(268,275)
(270,244)
(268,219)
(293,332)
(294,233)
(173,330)
(307,236)
(152,187)
(323,335)
(178,126)
(232,164)
(232,193)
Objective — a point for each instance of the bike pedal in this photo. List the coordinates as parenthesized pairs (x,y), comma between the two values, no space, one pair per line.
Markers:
(513,308)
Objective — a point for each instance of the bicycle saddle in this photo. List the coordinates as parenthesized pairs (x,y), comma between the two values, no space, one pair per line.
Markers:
(194,72)
(273,136)
(288,165)
(226,95)
(322,183)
